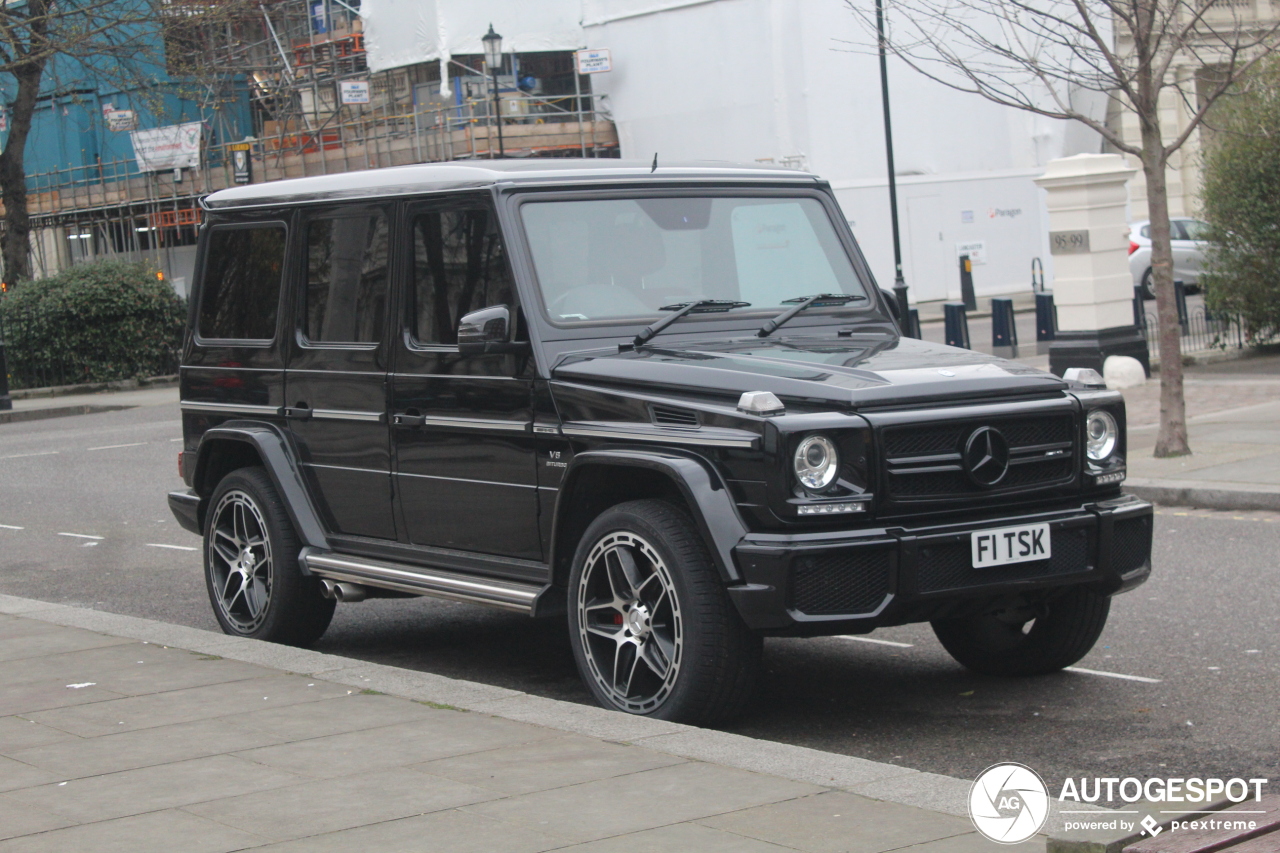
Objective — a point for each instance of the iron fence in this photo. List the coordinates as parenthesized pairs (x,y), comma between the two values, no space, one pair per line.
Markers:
(1204,330)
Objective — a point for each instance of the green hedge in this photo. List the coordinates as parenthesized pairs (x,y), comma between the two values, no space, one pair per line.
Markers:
(95,322)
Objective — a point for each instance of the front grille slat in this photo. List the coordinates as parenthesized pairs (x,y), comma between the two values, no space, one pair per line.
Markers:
(913,452)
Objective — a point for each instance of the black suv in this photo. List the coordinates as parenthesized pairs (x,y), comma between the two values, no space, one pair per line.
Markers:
(669,404)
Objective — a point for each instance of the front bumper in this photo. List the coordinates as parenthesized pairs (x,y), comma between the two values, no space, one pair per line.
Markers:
(855,581)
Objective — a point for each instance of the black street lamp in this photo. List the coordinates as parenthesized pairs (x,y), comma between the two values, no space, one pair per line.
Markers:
(899,283)
(493,58)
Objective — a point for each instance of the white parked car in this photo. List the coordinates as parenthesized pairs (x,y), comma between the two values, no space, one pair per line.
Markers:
(1188,253)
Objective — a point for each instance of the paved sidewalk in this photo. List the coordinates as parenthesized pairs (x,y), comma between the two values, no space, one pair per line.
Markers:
(39,408)
(119,733)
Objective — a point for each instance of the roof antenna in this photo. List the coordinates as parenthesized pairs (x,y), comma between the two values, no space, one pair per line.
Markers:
(654,167)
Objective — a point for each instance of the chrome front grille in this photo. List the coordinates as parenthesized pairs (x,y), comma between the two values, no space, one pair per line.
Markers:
(925,462)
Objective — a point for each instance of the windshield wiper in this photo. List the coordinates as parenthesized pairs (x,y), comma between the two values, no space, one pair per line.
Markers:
(821,300)
(702,306)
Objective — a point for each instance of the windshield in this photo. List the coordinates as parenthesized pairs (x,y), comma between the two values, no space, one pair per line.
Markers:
(622,259)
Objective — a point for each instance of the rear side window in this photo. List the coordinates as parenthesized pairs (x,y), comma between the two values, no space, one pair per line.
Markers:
(346,291)
(459,266)
(241,285)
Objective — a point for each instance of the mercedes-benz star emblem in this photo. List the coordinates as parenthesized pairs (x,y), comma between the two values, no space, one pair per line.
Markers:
(986,456)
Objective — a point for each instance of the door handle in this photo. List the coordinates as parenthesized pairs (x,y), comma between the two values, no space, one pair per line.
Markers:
(409,418)
(300,412)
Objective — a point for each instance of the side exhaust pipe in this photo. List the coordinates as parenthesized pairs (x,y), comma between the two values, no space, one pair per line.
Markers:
(344,592)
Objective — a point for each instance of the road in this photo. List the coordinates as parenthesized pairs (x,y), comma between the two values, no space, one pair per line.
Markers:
(83,520)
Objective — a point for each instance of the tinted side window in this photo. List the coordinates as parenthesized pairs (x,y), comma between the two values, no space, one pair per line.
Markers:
(346,294)
(459,266)
(241,285)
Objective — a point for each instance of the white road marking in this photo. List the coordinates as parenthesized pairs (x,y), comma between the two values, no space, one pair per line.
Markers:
(29,455)
(1105,674)
(11,527)
(172,440)
(874,640)
(174,547)
(114,446)
(80,535)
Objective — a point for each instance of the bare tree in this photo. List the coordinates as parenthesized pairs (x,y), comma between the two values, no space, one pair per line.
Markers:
(99,39)
(1055,57)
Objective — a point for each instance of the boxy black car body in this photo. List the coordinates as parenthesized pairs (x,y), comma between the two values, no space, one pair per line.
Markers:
(419,451)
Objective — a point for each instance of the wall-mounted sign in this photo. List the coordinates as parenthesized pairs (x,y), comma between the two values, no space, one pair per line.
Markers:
(594,61)
(1069,242)
(119,121)
(353,91)
(241,162)
(175,146)
(975,249)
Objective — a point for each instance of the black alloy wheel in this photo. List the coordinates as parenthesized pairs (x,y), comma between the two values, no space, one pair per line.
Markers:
(251,565)
(653,631)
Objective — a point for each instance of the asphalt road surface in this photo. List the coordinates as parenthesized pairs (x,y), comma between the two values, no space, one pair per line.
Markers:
(83,520)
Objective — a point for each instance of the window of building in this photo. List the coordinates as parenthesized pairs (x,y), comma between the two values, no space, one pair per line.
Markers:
(241,283)
(346,294)
(459,266)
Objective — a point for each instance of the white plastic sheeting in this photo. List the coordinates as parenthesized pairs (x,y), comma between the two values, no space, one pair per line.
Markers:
(404,32)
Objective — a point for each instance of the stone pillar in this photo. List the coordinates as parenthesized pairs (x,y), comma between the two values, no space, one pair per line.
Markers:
(1092,285)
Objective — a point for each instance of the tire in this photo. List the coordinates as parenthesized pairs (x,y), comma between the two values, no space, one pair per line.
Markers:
(273,601)
(646,602)
(1024,642)
(1148,286)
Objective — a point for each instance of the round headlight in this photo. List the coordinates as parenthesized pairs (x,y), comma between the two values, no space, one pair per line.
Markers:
(1101,434)
(816,462)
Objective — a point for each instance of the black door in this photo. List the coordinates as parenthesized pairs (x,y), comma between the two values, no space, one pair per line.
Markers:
(336,380)
(465,474)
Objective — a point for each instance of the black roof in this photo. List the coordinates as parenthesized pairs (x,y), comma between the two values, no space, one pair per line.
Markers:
(464,174)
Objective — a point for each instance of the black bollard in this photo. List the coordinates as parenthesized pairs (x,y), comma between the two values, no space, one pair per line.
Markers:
(1004,328)
(1045,324)
(6,402)
(1180,297)
(957,325)
(966,284)
(913,323)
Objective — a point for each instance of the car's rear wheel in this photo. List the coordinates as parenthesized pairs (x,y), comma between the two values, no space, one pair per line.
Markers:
(653,631)
(1148,285)
(1027,640)
(251,565)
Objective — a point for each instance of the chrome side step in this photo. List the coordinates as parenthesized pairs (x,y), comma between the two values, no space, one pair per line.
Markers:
(419,580)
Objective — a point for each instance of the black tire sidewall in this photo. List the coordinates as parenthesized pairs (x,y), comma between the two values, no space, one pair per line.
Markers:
(705,621)
(296,612)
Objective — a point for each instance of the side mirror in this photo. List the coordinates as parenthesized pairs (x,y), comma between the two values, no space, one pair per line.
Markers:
(892,302)
(488,331)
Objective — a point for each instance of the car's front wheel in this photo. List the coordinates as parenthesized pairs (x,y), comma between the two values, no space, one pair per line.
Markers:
(653,631)
(251,565)
(1027,640)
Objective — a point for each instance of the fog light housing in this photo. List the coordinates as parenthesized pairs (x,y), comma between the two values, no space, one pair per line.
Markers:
(832,508)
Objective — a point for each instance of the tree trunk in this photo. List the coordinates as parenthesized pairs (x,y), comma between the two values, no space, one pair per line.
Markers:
(1172,439)
(15,247)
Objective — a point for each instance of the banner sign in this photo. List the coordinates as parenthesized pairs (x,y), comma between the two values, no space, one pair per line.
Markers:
(353,91)
(594,61)
(176,146)
(241,163)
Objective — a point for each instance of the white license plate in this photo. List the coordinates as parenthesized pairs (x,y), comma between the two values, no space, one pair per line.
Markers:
(1006,545)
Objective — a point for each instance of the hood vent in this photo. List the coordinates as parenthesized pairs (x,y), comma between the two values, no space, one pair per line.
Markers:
(671,416)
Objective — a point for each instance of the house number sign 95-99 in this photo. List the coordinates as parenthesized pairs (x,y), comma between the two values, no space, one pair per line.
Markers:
(1068,242)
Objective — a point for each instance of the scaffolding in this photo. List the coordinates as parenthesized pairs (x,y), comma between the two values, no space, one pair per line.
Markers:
(292,56)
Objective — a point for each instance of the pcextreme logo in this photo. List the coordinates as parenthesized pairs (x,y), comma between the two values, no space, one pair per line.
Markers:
(1008,803)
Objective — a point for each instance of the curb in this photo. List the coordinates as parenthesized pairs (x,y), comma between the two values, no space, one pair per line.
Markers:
(871,779)
(19,415)
(1205,494)
(94,387)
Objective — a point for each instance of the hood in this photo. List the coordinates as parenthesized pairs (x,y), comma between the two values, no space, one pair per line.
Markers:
(852,372)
